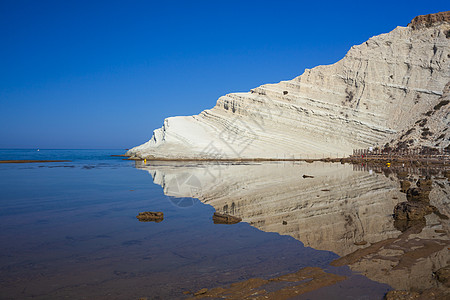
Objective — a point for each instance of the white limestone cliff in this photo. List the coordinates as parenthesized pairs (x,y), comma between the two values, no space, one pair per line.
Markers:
(379,89)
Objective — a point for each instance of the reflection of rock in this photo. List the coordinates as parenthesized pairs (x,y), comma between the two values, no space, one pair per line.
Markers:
(149,216)
(443,275)
(425,184)
(404,184)
(265,195)
(412,213)
(414,225)
(413,194)
(412,210)
(447,174)
(356,207)
(225,219)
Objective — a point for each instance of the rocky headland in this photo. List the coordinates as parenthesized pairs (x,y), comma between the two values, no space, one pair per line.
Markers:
(393,88)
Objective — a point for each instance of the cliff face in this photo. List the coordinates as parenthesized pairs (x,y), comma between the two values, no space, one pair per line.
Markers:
(379,89)
(430,129)
(430,20)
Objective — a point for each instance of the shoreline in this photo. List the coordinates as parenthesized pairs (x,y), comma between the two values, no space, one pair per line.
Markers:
(392,160)
(232,159)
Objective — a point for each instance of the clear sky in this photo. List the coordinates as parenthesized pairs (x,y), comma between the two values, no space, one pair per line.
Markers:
(105,74)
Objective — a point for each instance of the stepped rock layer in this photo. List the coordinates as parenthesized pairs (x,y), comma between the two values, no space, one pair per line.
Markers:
(429,130)
(378,89)
(341,210)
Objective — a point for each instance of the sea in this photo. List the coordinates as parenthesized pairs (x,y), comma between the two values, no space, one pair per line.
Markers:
(69,229)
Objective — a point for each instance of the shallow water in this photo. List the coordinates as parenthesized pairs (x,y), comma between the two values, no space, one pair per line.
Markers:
(70,229)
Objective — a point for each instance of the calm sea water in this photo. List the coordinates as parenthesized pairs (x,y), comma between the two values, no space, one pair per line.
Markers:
(69,230)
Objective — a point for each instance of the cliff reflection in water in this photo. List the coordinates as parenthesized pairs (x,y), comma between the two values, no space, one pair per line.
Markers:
(341,210)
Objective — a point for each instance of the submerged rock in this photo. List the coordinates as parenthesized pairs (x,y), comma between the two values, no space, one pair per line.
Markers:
(225,219)
(149,216)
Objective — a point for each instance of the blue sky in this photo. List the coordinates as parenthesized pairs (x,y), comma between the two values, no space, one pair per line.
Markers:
(105,74)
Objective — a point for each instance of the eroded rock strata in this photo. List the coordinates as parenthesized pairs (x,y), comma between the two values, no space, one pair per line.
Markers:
(374,95)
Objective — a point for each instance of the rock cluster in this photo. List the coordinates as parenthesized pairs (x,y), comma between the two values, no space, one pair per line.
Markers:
(413,211)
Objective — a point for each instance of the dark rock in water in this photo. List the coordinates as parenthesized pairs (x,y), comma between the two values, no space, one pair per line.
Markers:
(149,216)
(225,219)
(412,210)
(405,184)
(443,275)
(307,176)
